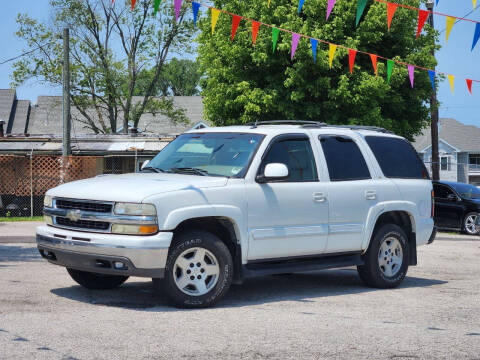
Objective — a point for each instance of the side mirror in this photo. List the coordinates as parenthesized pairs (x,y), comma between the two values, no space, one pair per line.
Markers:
(145,163)
(272,172)
(452,197)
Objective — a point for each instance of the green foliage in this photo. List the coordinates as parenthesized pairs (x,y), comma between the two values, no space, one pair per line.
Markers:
(110,47)
(246,83)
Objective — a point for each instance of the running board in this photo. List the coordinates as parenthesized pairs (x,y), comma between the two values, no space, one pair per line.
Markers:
(292,266)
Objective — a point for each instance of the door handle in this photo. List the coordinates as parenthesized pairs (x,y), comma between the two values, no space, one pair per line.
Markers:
(370,194)
(319,197)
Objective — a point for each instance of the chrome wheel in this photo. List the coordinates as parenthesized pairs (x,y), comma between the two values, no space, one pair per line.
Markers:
(471,224)
(196,271)
(390,256)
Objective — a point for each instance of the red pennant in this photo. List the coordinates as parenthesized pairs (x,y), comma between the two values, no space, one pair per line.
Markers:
(255,27)
(422,17)
(351,58)
(391,8)
(469,85)
(374,62)
(235,22)
(133,3)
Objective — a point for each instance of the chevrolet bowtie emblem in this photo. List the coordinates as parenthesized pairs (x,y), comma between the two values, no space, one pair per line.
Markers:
(74,215)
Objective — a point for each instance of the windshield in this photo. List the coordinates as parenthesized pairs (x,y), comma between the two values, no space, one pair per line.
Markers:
(215,154)
(467,191)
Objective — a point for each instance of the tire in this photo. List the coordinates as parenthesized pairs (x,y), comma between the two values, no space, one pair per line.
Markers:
(468,226)
(96,281)
(207,281)
(386,271)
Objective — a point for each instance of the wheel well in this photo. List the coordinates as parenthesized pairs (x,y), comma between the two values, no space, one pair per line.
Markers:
(224,229)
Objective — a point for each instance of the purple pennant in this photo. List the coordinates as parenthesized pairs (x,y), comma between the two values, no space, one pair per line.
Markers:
(411,73)
(295,38)
(178,6)
(331,4)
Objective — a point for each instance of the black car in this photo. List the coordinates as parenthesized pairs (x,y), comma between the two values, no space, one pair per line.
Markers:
(457,206)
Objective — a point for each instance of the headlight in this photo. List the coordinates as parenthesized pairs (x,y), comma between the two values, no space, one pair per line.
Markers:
(134,229)
(47,201)
(134,209)
(48,220)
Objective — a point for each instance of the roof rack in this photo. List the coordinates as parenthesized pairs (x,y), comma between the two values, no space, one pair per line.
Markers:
(287,122)
(361,127)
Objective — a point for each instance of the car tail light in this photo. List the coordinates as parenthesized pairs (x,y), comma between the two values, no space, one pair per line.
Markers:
(433,204)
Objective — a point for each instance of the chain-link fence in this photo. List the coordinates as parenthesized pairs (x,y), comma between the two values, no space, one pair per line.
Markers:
(24,180)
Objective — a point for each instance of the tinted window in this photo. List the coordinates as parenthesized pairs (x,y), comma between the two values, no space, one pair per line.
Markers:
(344,159)
(441,192)
(297,155)
(467,191)
(397,158)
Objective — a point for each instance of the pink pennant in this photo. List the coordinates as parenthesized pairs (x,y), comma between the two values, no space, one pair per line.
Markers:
(411,73)
(295,39)
(331,4)
(178,6)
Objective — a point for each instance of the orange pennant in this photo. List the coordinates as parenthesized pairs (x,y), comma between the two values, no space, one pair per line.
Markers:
(255,27)
(133,3)
(422,17)
(391,8)
(374,62)
(351,58)
(235,22)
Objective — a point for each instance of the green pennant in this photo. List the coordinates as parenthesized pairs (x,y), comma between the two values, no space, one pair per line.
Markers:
(156,6)
(390,64)
(275,33)
(360,9)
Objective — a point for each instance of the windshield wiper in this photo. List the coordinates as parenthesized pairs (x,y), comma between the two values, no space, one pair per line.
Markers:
(157,170)
(190,170)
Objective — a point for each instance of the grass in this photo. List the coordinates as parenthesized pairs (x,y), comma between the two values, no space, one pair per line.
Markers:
(15,219)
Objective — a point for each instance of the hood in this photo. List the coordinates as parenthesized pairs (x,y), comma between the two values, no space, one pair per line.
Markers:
(132,187)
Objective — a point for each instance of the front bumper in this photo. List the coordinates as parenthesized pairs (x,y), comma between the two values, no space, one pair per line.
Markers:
(143,256)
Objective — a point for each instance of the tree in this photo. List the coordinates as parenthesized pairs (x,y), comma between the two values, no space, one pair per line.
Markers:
(110,46)
(246,83)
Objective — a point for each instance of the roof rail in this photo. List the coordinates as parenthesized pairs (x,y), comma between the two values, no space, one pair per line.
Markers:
(286,122)
(362,127)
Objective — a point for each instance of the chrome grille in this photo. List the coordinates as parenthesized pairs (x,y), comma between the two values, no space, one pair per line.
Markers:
(84,206)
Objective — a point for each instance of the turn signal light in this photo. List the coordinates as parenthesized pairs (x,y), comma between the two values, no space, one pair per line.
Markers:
(134,229)
(148,229)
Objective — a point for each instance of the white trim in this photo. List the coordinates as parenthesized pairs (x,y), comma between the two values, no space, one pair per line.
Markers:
(453,147)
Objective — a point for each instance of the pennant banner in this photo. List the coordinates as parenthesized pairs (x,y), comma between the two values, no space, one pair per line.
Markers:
(411,74)
(331,53)
(215,15)
(360,9)
(391,8)
(330,5)
(422,17)
(133,3)
(195,8)
(235,22)
(431,74)
(178,7)
(156,6)
(314,44)
(450,23)
(374,62)
(451,79)
(255,28)
(275,33)
(469,85)
(295,39)
(476,36)
(390,64)
(300,6)
(351,58)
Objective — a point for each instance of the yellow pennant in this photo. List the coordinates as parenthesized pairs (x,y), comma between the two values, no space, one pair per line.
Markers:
(451,79)
(269,1)
(474,4)
(450,23)
(331,53)
(215,15)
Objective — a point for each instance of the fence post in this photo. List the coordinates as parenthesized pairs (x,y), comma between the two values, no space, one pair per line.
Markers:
(31,184)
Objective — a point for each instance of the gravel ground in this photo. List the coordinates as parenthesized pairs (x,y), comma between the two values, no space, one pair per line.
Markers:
(327,314)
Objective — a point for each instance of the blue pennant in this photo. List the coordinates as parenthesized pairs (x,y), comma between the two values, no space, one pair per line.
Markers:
(476,36)
(300,5)
(436,3)
(431,73)
(314,49)
(195,8)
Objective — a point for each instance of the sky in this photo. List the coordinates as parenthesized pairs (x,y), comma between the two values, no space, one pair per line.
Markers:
(454,58)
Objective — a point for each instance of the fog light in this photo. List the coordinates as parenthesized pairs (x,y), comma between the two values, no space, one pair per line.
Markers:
(48,220)
(119,265)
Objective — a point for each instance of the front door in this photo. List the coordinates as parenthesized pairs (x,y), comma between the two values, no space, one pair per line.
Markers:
(288,218)
(448,210)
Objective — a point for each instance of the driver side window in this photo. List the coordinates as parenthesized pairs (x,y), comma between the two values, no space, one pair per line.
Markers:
(442,192)
(297,155)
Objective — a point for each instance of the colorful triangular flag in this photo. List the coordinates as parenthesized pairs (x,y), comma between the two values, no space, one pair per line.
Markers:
(215,15)
(255,28)
(451,80)
(300,6)
(390,64)
(469,85)
(235,22)
(295,39)
(195,8)
(411,73)
(178,7)
(314,44)
(422,17)
(450,23)
(330,5)
(269,3)
(474,4)
(351,58)
(275,33)
(391,8)
(374,62)
(431,73)
(156,6)
(360,9)
(476,36)
(133,3)
(331,53)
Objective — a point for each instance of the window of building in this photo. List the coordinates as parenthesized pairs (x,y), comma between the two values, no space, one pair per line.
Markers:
(345,161)
(474,161)
(445,164)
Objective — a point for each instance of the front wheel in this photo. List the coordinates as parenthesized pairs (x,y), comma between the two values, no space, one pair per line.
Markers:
(199,270)
(387,258)
(470,224)
(96,281)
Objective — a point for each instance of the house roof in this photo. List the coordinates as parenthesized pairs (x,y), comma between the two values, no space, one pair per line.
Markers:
(7,101)
(466,138)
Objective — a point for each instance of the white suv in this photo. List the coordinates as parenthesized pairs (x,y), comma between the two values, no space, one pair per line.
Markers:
(223,204)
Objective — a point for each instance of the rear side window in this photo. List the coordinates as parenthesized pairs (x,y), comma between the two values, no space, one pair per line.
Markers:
(397,158)
(344,159)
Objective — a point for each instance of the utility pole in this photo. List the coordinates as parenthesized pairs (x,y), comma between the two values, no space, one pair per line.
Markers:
(434,110)
(66,149)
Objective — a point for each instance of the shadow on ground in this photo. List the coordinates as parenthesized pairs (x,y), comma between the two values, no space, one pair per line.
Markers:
(296,287)
(15,253)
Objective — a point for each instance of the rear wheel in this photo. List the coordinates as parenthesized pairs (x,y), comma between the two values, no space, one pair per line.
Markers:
(199,270)
(470,224)
(386,260)
(96,281)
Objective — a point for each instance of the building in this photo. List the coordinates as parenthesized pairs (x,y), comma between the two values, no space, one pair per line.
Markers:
(459,151)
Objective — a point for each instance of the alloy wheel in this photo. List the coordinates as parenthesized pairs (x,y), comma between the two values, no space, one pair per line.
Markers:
(390,256)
